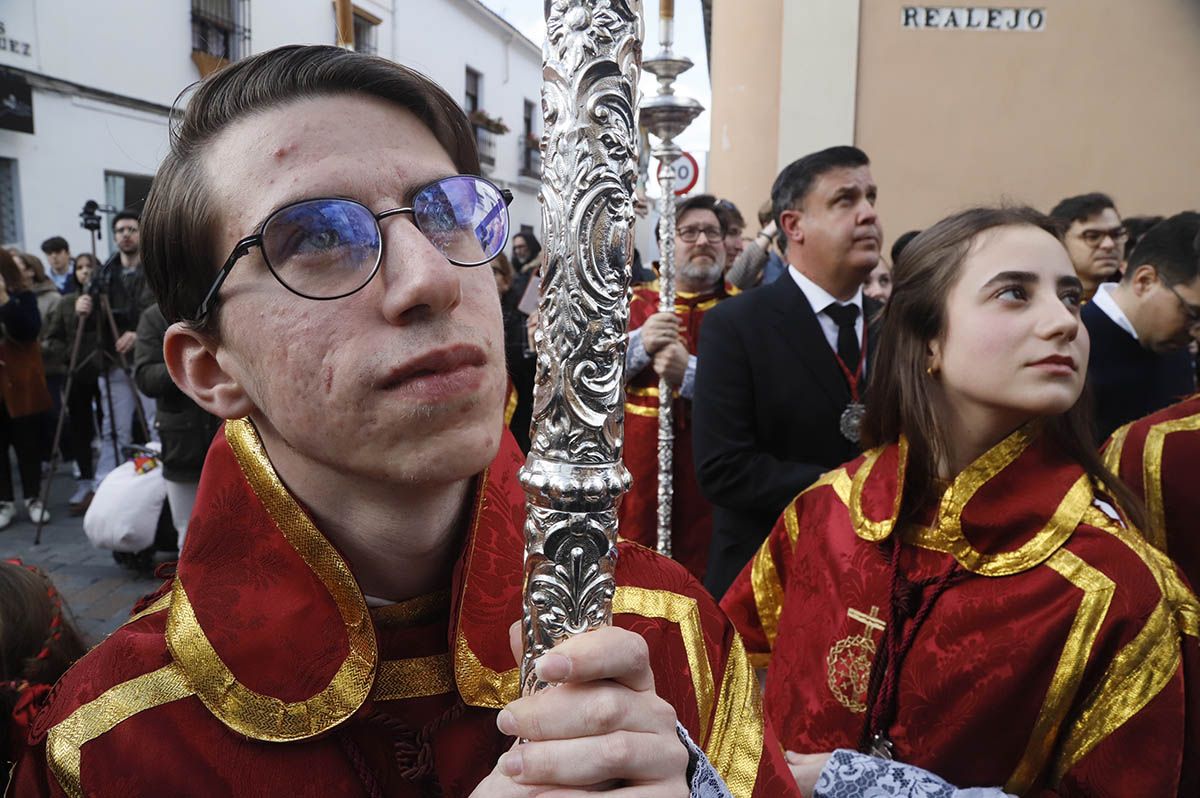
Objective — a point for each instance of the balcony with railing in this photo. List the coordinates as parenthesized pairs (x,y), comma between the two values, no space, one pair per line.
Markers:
(220,33)
(529,157)
(485,142)
(487,127)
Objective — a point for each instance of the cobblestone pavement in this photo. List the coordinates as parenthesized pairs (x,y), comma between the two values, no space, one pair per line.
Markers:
(99,592)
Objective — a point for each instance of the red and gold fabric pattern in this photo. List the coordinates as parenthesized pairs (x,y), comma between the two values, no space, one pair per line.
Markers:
(1044,670)
(691,513)
(1159,458)
(262,670)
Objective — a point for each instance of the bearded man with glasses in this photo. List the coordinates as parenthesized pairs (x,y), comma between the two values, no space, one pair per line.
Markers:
(664,344)
(339,620)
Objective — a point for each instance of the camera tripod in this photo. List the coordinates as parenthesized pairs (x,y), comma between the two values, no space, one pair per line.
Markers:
(102,313)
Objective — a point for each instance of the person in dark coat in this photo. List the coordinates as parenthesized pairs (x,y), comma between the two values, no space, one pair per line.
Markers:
(782,368)
(1141,327)
(24,392)
(58,336)
(185,430)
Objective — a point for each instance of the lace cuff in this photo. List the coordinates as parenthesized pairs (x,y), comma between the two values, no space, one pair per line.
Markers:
(849,774)
(703,778)
(636,356)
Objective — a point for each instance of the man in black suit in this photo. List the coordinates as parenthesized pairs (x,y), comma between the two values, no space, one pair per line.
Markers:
(1140,328)
(782,368)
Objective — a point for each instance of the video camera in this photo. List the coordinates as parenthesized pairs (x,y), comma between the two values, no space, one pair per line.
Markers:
(90,220)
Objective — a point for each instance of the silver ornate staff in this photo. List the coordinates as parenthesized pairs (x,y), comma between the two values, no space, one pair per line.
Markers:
(574,474)
(666,115)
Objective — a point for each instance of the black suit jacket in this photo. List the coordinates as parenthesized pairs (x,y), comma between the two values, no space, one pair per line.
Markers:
(768,402)
(1127,380)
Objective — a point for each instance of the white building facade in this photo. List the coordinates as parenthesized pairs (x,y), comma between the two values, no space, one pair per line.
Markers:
(95,83)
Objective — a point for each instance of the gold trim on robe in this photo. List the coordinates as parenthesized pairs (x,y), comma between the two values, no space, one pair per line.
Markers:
(1098,591)
(253,714)
(65,741)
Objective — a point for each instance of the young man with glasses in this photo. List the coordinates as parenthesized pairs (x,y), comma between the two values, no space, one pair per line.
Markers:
(1141,327)
(339,622)
(663,344)
(1095,238)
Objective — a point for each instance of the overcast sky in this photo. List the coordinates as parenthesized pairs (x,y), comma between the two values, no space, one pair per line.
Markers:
(527,16)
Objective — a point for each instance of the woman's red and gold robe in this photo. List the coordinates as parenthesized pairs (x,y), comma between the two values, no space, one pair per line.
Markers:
(1064,661)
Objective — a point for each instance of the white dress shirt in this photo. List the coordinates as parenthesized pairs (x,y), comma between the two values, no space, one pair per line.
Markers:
(820,299)
(1105,302)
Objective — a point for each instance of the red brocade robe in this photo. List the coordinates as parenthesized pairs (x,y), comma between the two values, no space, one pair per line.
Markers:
(1064,662)
(260,670)
(1159,458)
(691,514)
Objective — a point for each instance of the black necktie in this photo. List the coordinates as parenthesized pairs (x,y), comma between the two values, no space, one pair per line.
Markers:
(847,340)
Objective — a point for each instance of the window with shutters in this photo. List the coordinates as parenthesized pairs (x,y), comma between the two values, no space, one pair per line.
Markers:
(9,232)
(221,29)
(366,33)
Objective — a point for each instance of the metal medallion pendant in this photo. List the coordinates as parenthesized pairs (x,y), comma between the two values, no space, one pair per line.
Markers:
(851,422)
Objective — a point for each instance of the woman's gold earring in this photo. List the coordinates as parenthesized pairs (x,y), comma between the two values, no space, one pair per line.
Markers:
(929,370)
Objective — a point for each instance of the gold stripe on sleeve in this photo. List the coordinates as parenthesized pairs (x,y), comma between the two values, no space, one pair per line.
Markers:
(735,745)
(116,705)
(1098,591)
(768,590)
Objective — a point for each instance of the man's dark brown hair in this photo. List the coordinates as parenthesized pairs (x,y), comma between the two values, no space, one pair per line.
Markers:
(702,202)
(178,236)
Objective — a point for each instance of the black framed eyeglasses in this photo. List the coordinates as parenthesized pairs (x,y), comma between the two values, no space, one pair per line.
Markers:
(1094,238)
(331,247)
(1191,311)
(691,235)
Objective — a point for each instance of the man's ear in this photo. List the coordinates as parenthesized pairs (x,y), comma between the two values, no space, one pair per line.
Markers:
(791,222)
(1144,279)
(192,362)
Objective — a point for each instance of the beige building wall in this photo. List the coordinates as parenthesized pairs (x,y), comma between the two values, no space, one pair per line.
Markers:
(1106,97)
(819,71)
(765,114)
(746,57)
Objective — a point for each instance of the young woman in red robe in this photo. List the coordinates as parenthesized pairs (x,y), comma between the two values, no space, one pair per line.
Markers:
(966,596)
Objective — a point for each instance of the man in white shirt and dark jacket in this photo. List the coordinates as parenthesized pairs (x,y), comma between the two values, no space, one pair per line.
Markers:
(1141,327)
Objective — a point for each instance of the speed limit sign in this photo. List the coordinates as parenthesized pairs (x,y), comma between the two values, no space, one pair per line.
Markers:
(687,172)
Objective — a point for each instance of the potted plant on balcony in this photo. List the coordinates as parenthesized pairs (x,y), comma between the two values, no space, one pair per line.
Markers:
(492,124)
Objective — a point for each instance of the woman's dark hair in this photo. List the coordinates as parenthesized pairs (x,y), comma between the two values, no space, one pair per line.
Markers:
(900,243)
(10,270)
(1135,228)
(535,249)
(75,267)
(177,233)
(900,400)
(38,642)
(35,265)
